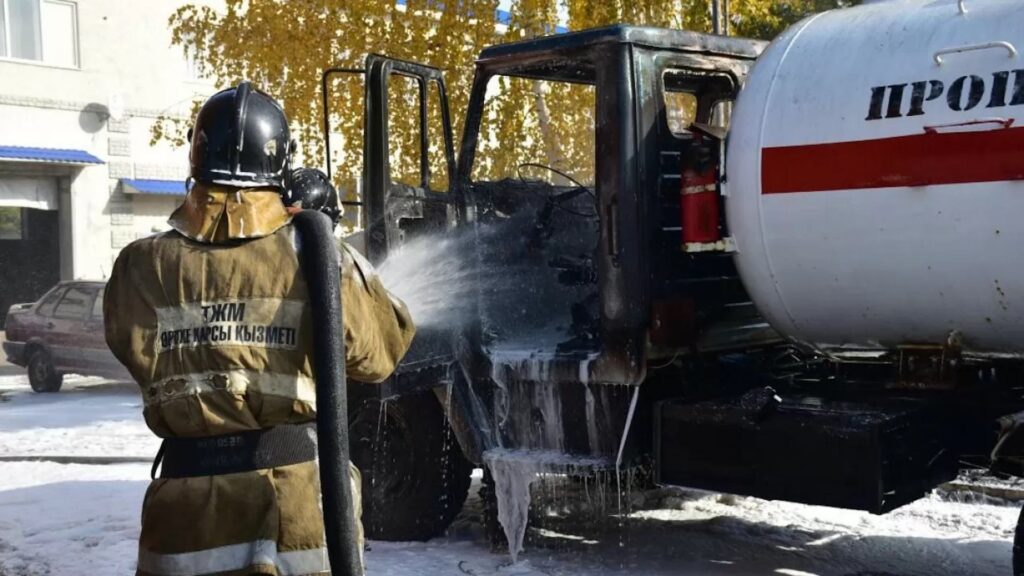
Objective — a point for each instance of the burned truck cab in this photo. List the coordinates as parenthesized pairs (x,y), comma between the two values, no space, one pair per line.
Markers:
(567,212)
(586,275)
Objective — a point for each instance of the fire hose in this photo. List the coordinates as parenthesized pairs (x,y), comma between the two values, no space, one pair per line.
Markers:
(319,260)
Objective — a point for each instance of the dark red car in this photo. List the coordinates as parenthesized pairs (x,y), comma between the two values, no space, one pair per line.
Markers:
(61,333)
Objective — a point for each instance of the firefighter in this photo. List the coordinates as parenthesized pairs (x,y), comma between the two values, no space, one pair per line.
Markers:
(213,322)
(311,189)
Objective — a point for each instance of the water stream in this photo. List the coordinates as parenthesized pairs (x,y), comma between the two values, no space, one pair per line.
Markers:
(434,277)
(485,275)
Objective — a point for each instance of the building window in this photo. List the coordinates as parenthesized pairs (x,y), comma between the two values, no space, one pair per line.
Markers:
(12,223)
(39,30)
(193,69)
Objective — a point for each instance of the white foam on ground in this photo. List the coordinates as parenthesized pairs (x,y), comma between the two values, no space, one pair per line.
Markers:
(88,417)
(58,519)
(73,520)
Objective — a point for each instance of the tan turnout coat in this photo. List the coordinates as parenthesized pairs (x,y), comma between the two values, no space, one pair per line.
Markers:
(213,322)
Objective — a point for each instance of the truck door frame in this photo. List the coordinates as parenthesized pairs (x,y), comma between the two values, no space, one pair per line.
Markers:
(377,176)
(377,181)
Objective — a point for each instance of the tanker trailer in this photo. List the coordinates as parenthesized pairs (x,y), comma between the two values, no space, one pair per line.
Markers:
(872,192)
(874,179)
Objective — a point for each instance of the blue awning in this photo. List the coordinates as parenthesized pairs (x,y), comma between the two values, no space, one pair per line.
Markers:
(162,187)
(58,155)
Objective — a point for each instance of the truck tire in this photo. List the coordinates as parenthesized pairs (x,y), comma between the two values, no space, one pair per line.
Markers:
(42,376)
(415,478)
(1018,546)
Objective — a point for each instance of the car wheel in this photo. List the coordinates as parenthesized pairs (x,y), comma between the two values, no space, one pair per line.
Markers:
(42,376)
(415,478)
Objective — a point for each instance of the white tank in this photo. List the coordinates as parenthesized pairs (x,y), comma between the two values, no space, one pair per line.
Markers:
(874,172)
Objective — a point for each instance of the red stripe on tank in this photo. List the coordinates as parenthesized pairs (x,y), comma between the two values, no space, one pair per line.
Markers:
(931,158)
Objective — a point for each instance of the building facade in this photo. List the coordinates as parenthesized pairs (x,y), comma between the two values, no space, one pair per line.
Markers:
(81,85)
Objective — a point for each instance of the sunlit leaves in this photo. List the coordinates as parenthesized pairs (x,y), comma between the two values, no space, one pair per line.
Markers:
(284,46)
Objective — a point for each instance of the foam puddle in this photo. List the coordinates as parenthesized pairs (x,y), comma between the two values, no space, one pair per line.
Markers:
(514,471)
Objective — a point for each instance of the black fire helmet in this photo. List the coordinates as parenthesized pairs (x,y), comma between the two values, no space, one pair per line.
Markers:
(241,138)
(310,189)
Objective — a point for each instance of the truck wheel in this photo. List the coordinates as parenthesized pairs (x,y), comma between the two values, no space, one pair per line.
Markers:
(42,376)
(415,478)
(1018,546)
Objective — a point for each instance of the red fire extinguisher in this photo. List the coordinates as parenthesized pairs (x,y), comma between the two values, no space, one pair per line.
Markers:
(699,193)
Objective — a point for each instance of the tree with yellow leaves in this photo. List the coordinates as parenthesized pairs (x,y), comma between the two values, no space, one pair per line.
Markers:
(285,46)
(561,117)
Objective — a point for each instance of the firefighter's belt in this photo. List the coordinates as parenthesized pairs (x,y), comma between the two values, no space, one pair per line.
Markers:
(240,452)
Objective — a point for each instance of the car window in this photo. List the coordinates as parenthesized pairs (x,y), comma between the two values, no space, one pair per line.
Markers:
(97,306)
(50,302)
(75,303)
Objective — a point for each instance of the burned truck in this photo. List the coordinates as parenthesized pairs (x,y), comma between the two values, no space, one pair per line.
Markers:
(690,303)
(572,270)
